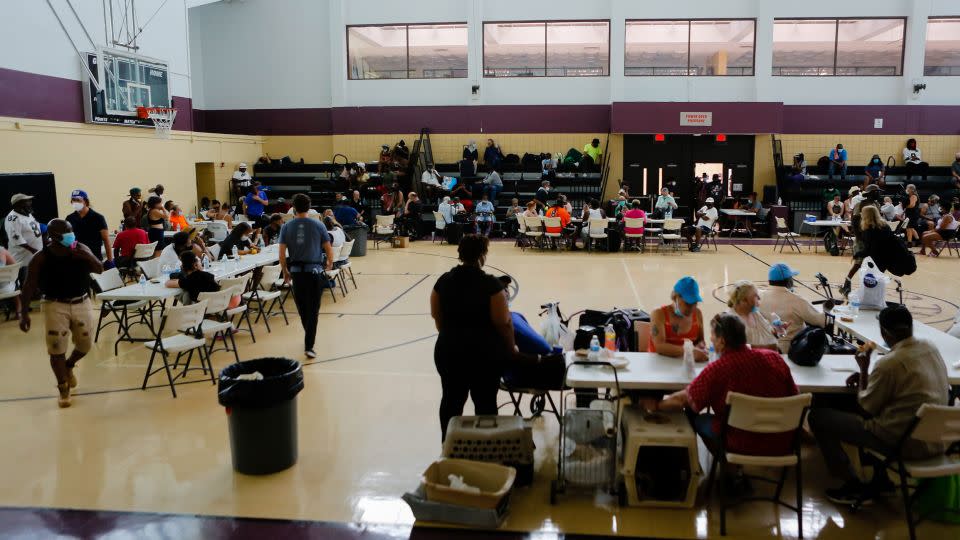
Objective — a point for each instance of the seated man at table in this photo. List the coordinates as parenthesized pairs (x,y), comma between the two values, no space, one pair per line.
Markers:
(793,310)
(218,212)
(558,210)
(193,279)
(755,372)
(126,242)
(706,219)
(911,374)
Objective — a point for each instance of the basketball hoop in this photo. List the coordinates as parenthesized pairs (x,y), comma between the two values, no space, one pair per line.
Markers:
(162,117)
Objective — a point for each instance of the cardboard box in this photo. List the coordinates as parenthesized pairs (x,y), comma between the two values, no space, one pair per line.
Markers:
(401,241)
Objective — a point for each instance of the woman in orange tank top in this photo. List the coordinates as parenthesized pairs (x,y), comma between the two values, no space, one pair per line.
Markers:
(680,320)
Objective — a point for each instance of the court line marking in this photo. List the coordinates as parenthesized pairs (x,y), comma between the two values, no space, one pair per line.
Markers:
(633,287)
(390,303)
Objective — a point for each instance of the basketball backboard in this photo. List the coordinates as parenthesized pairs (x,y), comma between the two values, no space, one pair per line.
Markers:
(124,82)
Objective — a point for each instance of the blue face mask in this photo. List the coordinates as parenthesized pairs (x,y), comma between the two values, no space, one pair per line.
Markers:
(755,309)
(68,239)
(676,309)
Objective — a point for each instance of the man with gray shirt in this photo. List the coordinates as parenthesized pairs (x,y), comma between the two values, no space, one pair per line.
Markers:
(306,241)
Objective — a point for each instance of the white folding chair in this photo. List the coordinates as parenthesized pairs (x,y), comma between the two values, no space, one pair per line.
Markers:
(651,233)
(440,224)
(334,275)
(556,238)
(597,230)
(150,267)
(9,274)
(239,284)
(785,237)
(534,230)
(763,416)
(383,230)
(142,252)
(109,280)
(222,328)
(218,230)
(633,238)
(939,424)
(671,235)
(343,262)
(214,252)
(178,334)
(265,296)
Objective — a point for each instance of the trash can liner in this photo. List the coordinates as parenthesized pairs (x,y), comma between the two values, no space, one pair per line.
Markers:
(282,380)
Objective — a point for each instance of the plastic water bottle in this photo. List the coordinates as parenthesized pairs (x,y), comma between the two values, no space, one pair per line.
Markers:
(688,368)
(777,325)
(594,355)
(712,354)
(779,201)
(206,262)
(236,253)
(610,340)
(854,308)
(143,283)
(260,241)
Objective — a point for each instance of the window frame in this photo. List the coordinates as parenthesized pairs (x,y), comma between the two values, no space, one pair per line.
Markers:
(836,43)
(689,45)
(938,18)
(406,27)
(544,22)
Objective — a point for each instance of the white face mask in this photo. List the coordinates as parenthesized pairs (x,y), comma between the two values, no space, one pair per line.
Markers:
(78,206)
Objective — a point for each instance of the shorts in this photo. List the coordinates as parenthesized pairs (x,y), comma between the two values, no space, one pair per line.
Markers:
(705,229)
(62,319)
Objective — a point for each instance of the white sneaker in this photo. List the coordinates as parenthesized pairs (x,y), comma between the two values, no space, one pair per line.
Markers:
(310,354)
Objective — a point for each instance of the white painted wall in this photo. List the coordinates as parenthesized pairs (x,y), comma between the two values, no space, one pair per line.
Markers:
(31,38)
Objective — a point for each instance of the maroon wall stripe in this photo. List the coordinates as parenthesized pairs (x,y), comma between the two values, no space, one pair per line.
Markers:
(44,97)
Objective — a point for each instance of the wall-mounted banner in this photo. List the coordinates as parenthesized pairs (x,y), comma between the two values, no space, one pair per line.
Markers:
(696,118)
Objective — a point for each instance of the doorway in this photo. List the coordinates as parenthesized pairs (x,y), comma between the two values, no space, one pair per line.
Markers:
(206,183)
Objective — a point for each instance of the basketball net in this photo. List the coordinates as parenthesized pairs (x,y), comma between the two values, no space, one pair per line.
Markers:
(162,118)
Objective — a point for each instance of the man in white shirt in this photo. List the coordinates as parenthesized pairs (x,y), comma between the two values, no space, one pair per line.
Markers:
(794,311)
(706,218)
(241,181)
(493,185)
(446,209)
(23,231)
(888,210)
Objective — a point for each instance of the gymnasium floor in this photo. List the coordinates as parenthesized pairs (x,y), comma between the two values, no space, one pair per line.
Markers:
(368,422)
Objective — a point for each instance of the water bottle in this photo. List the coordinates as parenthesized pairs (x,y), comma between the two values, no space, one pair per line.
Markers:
(610,340)
(777,325)
(712,354)
(176,227)
(779,201)
(165,272)
(143,283)
(260,241)
(855,308)
(594,355)
(236,253)
(688,368)
(205,262)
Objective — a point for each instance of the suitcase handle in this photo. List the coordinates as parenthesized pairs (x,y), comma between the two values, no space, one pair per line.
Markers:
(487,421)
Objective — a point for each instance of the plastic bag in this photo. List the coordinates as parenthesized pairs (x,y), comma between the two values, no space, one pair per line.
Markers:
(871,291)
(555,332)
(938,495)
(955,329)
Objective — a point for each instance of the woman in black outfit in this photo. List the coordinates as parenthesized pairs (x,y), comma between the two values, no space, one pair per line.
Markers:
(240,237)
(156,220)
(476,333)
(911,210)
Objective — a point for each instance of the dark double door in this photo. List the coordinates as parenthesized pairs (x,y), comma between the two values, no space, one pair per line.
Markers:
(648,165)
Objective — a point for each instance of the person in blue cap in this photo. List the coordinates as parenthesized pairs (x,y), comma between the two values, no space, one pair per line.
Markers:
(90,227)
(795,311)
(681,319)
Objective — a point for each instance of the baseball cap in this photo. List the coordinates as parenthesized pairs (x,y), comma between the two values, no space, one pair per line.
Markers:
(871,188)
(79,194)
(243,166)
(709,199)
(134,191)
(688,289)
(781,272)
(20,197)
(855,189)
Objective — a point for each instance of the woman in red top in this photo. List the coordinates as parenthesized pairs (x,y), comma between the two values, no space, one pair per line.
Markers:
(634,213)
(557,210)
(680,320)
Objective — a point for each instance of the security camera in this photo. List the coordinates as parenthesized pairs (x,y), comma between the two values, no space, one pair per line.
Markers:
(475,89)
(918,87)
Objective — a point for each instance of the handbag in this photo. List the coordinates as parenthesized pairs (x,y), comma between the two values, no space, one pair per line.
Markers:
(808,346)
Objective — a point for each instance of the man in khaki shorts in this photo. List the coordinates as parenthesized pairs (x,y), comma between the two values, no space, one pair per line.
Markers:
(61,272)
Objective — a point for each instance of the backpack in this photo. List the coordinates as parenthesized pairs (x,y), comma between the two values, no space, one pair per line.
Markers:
(808,346)
(830,243)
(511,159)
(573,156)
(531,159)
(900,260)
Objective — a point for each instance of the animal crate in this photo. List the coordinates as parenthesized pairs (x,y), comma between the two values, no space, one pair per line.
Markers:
(660,462)
(494,439)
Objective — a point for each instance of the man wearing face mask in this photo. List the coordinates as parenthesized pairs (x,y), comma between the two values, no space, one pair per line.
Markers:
(61,273)
(23,231)
(90,226)
(874,172)
(792,309)
(912,374)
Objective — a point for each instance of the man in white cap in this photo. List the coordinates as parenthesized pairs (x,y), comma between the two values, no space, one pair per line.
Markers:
(23,231)
(706,219)
(241,181)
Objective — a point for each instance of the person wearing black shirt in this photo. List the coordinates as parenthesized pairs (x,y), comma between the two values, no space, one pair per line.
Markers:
(90,226)
(239,237)
(271,233)
(193,280)
(412,217)
(61,273)
(542,194)
(356,202)
(475,333)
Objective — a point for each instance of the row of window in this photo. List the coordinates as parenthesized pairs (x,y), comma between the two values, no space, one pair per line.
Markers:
(725,47)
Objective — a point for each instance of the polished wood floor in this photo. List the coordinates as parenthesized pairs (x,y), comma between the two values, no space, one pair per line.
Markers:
(367,417)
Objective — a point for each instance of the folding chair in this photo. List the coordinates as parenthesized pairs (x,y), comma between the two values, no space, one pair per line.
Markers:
(439,225)
(266,297)
(534,232)
(521,239)
(597,230)
(178,334)
(9,274)
(785,237)
(334,275)
(214,252)
(240,284)
(141,252)
(384,230)
(119,309)
(556,238)
(343,262)
(671,235)
(632,239)
(150,267)
(711,237)
(767,416)
(218,304)
(933,424)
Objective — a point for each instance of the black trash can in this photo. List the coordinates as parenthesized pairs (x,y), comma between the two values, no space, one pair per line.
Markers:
(359,235)
(262,414)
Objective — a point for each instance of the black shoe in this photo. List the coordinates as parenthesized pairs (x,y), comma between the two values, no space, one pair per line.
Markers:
(737,485)
(852,492)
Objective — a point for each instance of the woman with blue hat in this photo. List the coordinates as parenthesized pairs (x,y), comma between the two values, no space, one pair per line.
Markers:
(677,321)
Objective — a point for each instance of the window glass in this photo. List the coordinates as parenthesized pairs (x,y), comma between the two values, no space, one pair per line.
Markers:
(721,47)
(438,51)
(942,54)
(377,52)
(656,48)
(514,50)
(804,47)
(578,49)
(546,49)
(870,46)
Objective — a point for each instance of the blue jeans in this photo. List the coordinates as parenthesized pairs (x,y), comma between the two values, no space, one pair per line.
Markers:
(703,426)
(493,192)
(843,170)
